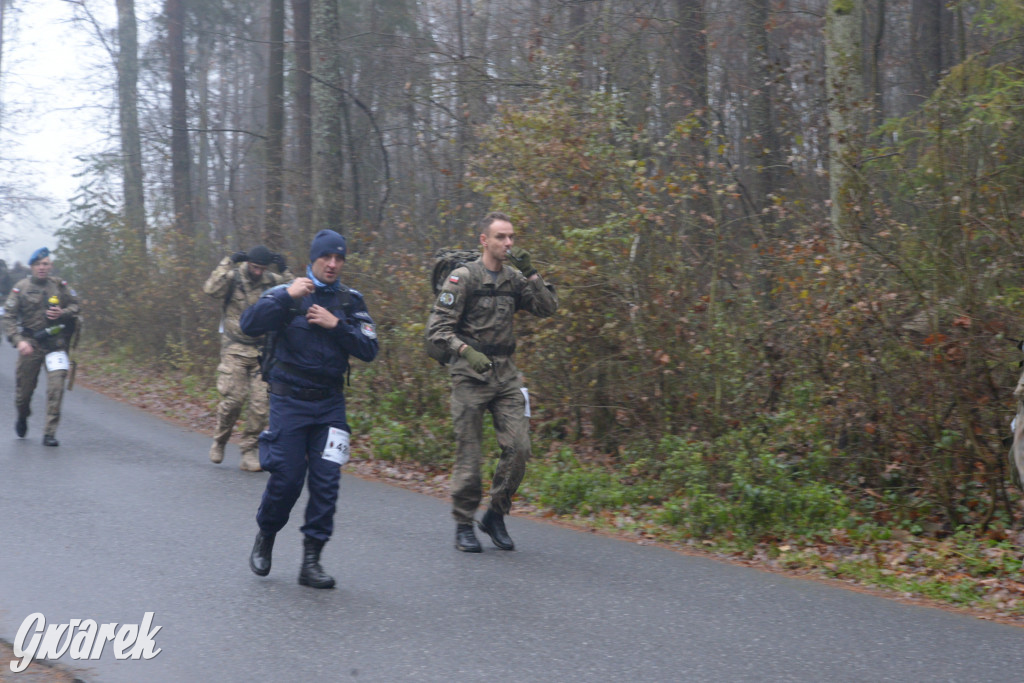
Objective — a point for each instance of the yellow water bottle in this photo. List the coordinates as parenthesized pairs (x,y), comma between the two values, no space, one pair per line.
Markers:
(54,330)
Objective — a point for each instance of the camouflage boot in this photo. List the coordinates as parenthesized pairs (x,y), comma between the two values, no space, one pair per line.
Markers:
(217,452)
(250,462)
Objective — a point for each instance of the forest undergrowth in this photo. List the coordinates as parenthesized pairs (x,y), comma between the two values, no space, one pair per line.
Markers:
(772,511)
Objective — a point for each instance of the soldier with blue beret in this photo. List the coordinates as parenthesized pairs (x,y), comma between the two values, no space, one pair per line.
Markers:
(40,316)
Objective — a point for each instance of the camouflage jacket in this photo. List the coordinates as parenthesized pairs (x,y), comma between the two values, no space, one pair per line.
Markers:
(25,312)
(473,309)
(234,277)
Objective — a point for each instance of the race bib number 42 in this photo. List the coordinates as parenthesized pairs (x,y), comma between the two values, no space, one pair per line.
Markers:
(336,449)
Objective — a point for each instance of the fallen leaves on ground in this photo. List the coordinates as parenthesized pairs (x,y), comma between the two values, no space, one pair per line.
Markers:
(912,568)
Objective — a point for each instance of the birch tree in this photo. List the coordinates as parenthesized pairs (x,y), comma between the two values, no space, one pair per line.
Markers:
(844,84)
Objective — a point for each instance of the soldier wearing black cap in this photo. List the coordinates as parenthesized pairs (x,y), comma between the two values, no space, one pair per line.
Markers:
(238,281)
(40,315)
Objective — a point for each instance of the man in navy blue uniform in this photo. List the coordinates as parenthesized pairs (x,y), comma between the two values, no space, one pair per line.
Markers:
(315,324)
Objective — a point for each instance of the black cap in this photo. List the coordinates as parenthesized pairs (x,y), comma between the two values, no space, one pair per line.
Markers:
(260,255)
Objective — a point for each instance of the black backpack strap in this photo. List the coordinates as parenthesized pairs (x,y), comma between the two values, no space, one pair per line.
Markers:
(231,290)
(343,300)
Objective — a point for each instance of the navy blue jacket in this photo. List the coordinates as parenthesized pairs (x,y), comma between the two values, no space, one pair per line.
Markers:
(320,355)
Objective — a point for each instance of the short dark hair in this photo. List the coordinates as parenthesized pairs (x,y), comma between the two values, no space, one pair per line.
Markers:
(486,221)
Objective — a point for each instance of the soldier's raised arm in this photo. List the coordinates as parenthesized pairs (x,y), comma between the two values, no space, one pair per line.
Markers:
(217,284)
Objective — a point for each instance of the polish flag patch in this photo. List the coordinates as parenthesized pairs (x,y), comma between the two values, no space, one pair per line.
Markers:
(453,278)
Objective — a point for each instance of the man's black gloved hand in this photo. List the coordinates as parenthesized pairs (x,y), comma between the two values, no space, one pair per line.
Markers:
(520,258)
(278,260)
(239,256)
(478,361)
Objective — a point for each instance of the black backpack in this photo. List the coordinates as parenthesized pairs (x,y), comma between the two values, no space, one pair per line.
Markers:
(445,261)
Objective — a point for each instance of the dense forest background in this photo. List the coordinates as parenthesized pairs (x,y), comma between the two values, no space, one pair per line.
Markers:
(787,235)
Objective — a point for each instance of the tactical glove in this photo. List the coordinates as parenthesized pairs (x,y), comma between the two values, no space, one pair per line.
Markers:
(478,361)
(239,256)
(278,260)
(520,258)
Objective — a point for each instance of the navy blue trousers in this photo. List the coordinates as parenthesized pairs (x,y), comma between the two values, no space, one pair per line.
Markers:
(290,448)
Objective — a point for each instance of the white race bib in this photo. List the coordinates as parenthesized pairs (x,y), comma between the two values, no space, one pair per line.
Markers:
(336,449)
(57,360)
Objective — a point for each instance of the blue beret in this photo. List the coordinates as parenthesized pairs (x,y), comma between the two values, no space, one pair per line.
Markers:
(40,253)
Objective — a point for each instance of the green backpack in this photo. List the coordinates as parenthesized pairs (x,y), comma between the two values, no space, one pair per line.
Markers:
(445,261)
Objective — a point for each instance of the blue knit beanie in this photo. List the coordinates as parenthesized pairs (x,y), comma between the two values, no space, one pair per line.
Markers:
(40,253)
(326,242)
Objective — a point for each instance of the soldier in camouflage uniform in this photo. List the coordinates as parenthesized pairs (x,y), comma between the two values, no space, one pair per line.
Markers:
(40,314)
(5,279)
(238,281)
(473,319)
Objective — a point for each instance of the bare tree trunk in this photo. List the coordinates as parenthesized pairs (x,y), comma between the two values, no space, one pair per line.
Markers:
(131,146)
(328,166)
(691,48)
(764,149)
(844,83)
(201,201)
(180,152)
(875,65)
(471,23)
(926,42)
(577,36)
(274,176)
(462,113)
(303,184)
(182,238)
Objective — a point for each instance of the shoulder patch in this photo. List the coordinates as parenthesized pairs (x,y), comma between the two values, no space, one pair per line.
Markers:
(453,278)
(446,299)
(15,290)
(368,330)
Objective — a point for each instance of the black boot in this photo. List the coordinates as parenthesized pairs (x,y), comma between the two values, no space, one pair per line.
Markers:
(465,539)
(50,440)
(312,574)
(21,427)
(259,559)
(493,525)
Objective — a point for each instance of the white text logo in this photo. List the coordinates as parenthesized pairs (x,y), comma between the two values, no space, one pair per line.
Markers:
(82,639)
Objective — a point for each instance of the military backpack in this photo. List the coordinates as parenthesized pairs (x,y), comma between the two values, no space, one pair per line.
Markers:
(445,261)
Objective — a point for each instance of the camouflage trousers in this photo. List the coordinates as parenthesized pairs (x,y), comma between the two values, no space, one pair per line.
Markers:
(507,405)
(239,380)
(27,376)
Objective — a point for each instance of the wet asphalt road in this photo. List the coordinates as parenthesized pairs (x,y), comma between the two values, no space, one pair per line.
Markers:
(128,516)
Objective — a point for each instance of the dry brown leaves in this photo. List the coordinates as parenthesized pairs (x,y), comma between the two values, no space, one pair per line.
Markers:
(910,559)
